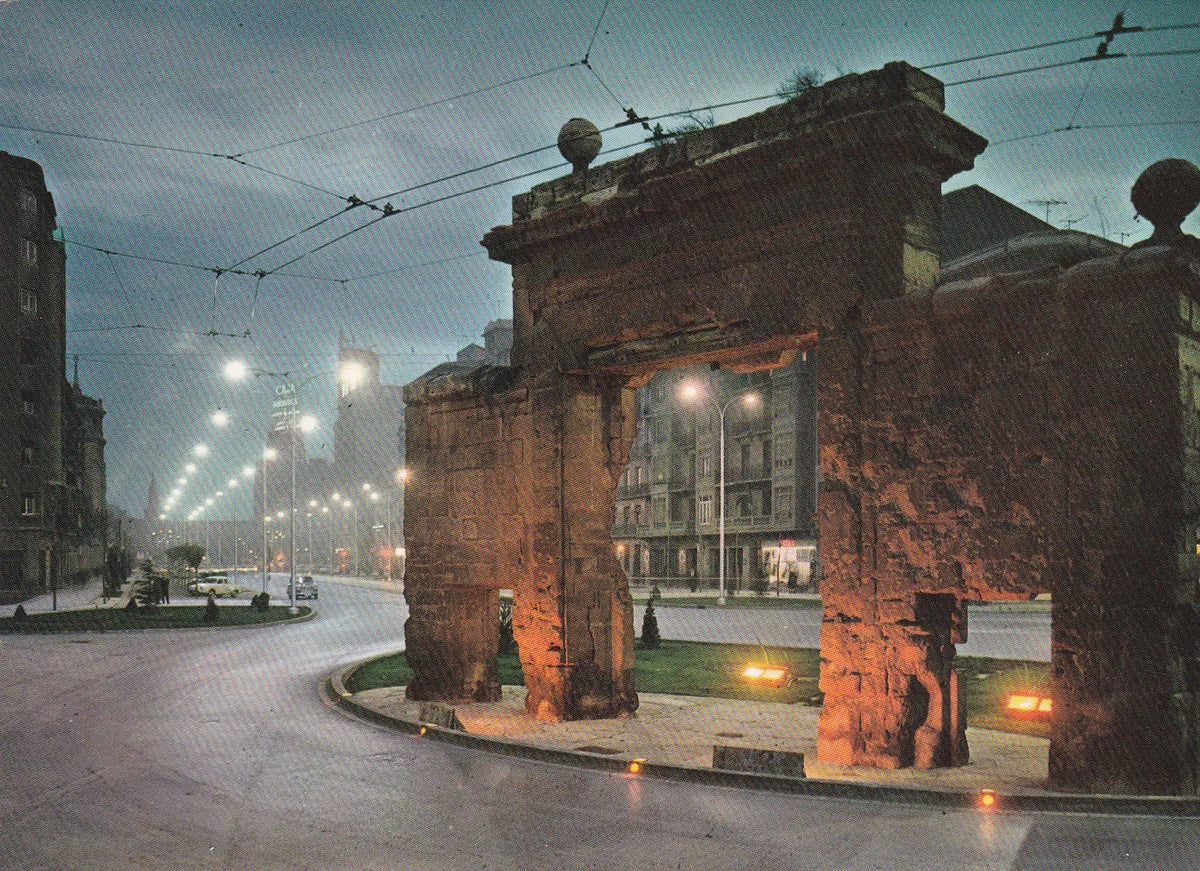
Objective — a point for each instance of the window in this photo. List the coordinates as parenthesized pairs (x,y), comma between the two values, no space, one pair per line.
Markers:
(641,476)
(783,503)
(659,510)
(704,509)
(625,516)
(766,502)
(29,505)
(27,453)
(705,466)
(744,449)
(29,350)
(28,402)
(637,515)
(29,202)
(658,469)
(658,430)
(744,505)
(29,301)
(29,251)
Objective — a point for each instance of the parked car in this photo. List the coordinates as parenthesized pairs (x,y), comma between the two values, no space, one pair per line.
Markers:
(306,588)
(217,583)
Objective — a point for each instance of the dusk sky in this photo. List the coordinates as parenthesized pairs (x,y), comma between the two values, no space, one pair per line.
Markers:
(239,78)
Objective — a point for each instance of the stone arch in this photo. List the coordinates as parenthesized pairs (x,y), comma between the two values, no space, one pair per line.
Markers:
(994,438)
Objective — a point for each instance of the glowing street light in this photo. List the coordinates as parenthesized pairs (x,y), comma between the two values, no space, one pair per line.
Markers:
(200,450)
(351,375)
(220,418)
(692,393)
(190,468)
(248,471)
(236,370)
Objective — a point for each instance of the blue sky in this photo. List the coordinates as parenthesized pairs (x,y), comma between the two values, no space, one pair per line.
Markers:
(225,78)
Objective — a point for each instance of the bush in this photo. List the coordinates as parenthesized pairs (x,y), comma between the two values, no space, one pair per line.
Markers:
(19,615)
(211,612)
(132,604)
(655,593)
(650,637)
(507,642)
(260,602)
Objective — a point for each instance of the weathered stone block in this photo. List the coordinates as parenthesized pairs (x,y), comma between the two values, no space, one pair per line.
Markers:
(753,760)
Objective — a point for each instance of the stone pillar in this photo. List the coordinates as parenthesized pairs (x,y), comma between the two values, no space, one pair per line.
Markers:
(573,615)
(451,640)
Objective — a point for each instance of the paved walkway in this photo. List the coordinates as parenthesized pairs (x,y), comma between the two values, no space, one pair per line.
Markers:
(681,730)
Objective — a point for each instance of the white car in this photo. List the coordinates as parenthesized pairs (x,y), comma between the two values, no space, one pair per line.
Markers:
(218,584)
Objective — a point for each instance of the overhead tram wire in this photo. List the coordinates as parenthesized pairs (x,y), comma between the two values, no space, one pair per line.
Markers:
(429,105)
(278,271)
(378,218)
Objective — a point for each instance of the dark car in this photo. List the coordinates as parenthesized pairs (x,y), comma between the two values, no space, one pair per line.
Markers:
(306,588)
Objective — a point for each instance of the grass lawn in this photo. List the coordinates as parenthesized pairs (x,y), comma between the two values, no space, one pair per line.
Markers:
(158,617)
(694,668)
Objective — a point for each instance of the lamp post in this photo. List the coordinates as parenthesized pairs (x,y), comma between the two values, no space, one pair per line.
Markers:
(692,392)
(325,510)
(268,454)
(353,506)
(236,370)
(402,475)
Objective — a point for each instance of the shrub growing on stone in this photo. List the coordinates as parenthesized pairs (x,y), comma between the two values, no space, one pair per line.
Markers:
(650,637)
(507,641)
(211,612)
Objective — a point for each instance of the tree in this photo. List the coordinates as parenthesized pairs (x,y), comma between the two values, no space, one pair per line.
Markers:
(650,637)
(800,82)
(189,554)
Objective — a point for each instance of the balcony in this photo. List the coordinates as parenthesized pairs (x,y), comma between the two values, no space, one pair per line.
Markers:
(748,473)
(630,490)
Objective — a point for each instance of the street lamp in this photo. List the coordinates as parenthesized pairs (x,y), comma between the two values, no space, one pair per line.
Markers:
(325,510)
(348,505)
(268,455)
(220,417)
(691,392)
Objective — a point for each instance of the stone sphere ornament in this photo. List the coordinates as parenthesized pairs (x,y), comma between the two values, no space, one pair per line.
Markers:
(1165,193)
(579,142)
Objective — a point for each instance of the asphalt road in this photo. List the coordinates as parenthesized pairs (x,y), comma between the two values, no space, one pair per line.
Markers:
(211,749)
(991,630)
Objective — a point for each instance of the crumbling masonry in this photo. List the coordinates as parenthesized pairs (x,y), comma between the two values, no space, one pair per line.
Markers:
(993,439)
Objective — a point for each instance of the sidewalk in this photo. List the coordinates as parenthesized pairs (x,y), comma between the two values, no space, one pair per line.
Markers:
(90,595)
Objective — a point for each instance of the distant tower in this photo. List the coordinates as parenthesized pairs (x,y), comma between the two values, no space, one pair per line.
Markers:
(152,509)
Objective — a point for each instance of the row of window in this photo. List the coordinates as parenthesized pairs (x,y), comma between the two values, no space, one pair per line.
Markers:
(779,503)
(636,475)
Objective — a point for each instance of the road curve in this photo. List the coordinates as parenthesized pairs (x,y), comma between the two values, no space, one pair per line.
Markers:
(212,750)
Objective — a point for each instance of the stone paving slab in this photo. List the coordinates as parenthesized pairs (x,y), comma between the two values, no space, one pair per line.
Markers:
(681,730)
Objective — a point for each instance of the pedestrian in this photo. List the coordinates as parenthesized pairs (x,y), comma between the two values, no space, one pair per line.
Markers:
(166,589)
(793,581)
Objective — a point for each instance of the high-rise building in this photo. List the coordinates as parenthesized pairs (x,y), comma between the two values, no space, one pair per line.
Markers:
(368,453)
(40,503)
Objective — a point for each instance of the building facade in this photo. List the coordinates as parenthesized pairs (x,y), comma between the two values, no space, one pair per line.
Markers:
(668,507)
(51,435)
(368,454)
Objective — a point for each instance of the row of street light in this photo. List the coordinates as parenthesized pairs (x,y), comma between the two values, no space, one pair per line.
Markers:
(298,425)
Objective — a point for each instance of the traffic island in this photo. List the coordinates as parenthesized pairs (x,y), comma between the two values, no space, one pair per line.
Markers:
(150,617)
(674,736)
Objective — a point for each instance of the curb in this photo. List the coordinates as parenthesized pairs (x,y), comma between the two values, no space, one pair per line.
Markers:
(1069,803)
(300,618)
